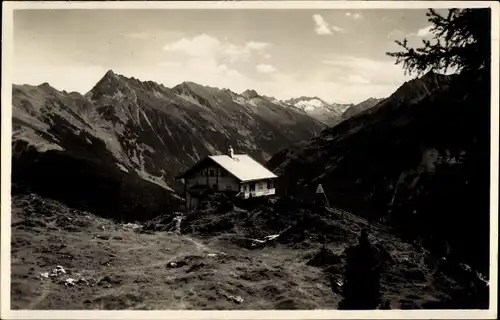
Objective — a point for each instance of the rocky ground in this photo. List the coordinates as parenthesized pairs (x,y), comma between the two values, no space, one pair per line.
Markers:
(227,255)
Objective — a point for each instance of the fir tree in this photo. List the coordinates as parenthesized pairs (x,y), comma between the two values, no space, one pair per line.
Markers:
(461,42)
(361,288)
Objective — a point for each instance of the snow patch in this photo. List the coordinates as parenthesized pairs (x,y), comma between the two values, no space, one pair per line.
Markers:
(122,168)
(253,103)
(158,94)
(239,100)
(152,128)
(310,104)
(118,95)
(154,179)
(190,99)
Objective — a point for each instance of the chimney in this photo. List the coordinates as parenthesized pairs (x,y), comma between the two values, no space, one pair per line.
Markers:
(230,152)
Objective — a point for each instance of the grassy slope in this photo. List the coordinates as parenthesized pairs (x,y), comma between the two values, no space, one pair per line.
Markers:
(126,269)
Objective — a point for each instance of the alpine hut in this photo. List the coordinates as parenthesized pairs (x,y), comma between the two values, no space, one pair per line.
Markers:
(237,174)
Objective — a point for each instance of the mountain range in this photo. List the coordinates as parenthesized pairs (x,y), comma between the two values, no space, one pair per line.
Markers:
(125,130)
(417,160)
(119,146)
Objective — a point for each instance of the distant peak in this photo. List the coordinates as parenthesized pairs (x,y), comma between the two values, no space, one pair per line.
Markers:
(250,93)
(432,75)
(185,85)
(190,83)
(109,73)
(108,84)
(305,98)
(46,86)
(312,98)
(109,76)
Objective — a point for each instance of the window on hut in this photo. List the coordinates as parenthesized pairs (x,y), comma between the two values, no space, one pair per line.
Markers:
(270,184)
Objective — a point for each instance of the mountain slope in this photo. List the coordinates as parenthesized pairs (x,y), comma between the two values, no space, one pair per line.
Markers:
(412,90)
(210,261)
(360,107)
(329,114)
(139,131)
(59,151)
(418,160)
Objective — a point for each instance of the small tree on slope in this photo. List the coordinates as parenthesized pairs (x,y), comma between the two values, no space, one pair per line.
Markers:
(361,289)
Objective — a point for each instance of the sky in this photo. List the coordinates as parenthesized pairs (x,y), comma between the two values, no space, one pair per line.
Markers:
(335,54)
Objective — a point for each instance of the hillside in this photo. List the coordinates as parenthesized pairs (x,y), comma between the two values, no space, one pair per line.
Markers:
(410,91)
(120,145)
(64,258)
(360,107)
(418,161)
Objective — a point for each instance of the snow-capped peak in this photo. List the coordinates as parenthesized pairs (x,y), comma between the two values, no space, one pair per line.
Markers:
(310,104)
(307,103)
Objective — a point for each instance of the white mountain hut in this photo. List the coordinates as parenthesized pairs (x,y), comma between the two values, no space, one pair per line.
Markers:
(236,174)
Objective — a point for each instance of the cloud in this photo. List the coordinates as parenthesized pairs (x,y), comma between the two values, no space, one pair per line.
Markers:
(424,32)
(210,61)
(336,29)
(324,28)
(363,70)
(207,60)
(254,45)
(237,52)
(266,68)
(355,15)
(199,46)
(204,45)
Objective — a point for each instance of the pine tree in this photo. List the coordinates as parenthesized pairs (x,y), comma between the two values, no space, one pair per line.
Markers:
(361,289)
(461,41)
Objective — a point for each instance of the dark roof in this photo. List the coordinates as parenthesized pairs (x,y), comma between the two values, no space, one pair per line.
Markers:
(193,168)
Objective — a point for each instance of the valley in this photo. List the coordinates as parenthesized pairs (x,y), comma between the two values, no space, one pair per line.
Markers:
(212,258)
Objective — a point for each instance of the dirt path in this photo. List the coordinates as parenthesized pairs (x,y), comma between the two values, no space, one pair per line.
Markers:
(46,290)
